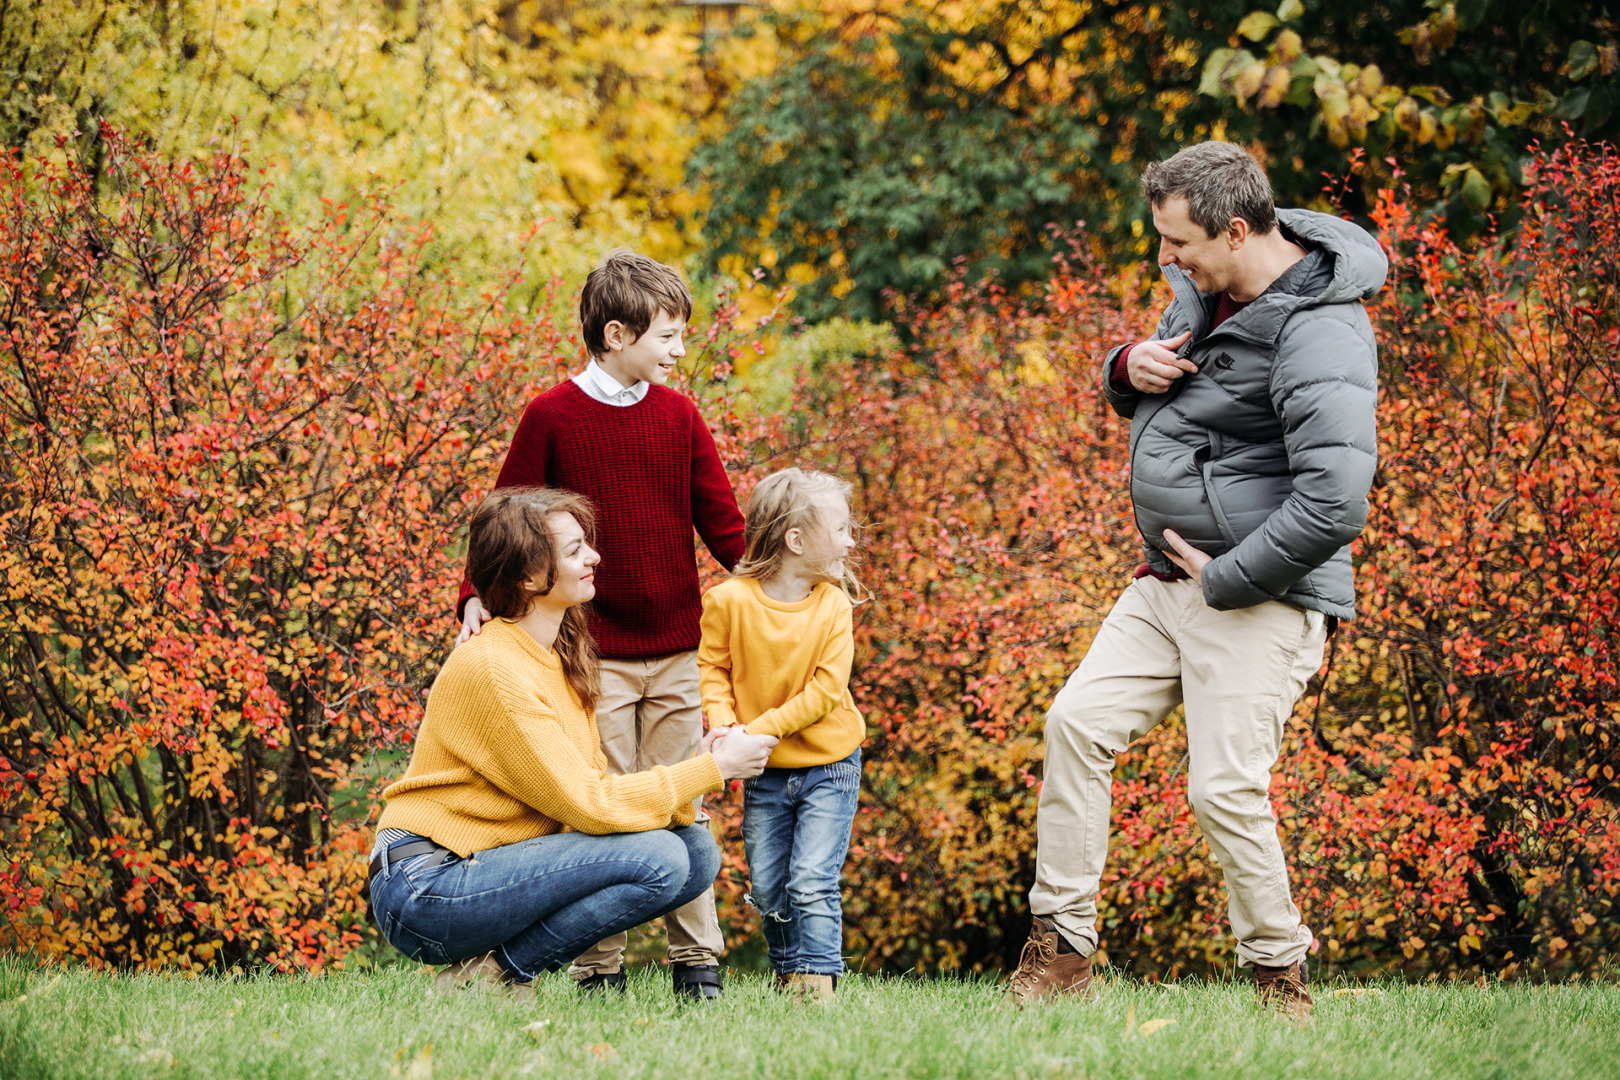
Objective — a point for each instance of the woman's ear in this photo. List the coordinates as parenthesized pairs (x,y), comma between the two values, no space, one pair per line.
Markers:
(794,539)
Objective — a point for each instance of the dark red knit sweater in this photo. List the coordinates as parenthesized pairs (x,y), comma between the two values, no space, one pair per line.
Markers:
(652,472)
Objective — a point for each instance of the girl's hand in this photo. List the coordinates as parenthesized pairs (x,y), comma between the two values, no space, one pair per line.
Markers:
(714,736)
(741,755)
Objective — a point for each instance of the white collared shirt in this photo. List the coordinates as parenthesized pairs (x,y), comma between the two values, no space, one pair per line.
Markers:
(603,387)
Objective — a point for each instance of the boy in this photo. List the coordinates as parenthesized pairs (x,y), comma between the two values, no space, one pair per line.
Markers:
(644,457)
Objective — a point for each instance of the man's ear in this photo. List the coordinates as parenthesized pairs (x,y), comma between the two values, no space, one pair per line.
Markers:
(794,539)
(1236,233)
(613,336)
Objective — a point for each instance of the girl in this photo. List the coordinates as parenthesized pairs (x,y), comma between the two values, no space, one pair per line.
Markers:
(507,849)
(775,660)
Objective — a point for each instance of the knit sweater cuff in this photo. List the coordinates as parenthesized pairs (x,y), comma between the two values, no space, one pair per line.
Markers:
(695,776)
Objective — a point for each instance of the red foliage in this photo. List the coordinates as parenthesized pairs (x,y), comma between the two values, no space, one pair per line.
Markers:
(238,459)
(237,464)
(1447,790)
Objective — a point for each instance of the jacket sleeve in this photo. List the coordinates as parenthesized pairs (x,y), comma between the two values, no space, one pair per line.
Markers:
(536,764)
(525,466)
(1125,402)
(824,689)
(1324,387)
(714,504)
(714,663)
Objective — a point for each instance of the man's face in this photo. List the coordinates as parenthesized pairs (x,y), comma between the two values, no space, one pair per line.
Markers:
(650,357)
(1209,260)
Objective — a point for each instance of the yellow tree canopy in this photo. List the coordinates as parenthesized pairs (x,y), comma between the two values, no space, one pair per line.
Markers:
(484,116)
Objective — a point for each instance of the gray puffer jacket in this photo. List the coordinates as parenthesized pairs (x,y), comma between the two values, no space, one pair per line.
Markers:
(1264,457)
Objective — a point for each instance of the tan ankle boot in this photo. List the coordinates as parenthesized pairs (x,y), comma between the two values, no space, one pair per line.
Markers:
(816,988)
(478,972)
(1044,971)
(1283,992)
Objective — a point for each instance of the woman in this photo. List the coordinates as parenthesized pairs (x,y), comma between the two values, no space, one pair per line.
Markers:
(507,849)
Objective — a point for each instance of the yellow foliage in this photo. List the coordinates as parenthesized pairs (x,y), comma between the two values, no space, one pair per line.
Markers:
(483,118)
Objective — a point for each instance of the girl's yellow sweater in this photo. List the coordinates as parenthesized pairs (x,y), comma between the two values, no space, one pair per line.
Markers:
(506,753)
(781,669)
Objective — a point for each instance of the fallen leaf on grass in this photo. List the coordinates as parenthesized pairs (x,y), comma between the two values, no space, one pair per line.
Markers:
(1150,1026)
(536,1029)
(604,1051)
(420,1068)
(158,1056)
(1359,991)
(41,992)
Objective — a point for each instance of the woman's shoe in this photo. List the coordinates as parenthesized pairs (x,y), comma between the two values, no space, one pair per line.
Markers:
(480,973)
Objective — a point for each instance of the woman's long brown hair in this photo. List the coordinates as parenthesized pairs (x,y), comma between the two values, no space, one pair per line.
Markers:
(511,544)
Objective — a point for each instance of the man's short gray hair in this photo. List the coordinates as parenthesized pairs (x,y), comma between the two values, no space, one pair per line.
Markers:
(1220,182)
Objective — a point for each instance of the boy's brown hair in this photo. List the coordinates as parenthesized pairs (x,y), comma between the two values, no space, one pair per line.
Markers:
(631,289)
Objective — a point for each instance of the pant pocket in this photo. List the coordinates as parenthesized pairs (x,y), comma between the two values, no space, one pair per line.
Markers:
(423,950)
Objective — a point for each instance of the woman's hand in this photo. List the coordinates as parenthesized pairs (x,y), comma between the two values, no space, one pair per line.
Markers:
(741,755)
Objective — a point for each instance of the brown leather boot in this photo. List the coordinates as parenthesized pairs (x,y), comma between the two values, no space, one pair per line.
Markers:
(1044,971)
(480,973)
(1282,992)
(817,988)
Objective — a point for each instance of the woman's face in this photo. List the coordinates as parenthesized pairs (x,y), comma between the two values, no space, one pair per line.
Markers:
(576,564)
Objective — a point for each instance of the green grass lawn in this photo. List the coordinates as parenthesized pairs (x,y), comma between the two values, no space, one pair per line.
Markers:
(386,1023)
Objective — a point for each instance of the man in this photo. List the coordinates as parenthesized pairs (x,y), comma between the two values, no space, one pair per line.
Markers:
(1252,450)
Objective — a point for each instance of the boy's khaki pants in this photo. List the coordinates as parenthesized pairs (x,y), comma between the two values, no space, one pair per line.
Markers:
(651,713)
(1239,673)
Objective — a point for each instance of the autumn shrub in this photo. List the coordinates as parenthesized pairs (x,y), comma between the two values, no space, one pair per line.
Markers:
(237,461)
(1446,789)
(237,457)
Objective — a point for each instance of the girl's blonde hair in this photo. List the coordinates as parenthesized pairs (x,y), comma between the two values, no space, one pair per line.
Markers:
(786,500)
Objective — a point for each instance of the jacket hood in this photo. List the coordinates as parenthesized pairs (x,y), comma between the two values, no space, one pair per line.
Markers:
(1359,263)
(1346,264)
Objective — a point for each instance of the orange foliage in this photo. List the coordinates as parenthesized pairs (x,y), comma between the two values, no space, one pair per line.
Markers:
(1446,790)
(238,459)
(237,464)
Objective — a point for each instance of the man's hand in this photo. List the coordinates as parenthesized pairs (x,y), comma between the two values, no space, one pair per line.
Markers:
(473,618)
(1186,556)
(1153,365)
(714,736)
(741,755)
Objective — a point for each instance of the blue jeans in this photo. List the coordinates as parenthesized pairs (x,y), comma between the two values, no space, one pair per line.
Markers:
(796,825)
(540,903)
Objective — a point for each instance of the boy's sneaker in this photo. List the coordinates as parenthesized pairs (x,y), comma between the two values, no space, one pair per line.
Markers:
(1048,966)
(603,981)
(700,982)
(1283,993)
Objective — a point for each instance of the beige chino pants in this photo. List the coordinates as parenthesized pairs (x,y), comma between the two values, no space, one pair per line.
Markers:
(1239,673)
(651,713)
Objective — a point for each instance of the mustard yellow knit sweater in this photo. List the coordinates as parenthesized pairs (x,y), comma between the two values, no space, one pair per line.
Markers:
(781,669)
(507,753)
